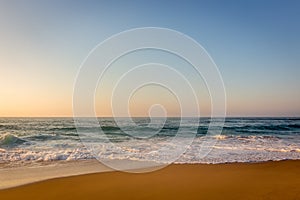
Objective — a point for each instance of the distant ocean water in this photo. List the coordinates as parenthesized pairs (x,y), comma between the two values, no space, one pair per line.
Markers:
(30,140)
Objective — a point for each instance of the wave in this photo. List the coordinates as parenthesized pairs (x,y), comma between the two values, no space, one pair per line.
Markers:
(42,137)
(263,127)
(294,126)
(9,127)
(241,140)
(63,129)
(219,154)
(245,137)
(86,129)
(9,140)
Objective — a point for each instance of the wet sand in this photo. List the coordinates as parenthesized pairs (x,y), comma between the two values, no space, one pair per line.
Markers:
(268,180)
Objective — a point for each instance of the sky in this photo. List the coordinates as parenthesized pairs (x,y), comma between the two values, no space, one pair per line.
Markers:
(255,45)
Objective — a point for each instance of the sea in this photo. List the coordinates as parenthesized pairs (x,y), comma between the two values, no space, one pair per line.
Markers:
(40,140)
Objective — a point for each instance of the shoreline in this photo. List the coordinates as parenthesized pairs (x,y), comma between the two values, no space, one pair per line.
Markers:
(31,173)
(264,180)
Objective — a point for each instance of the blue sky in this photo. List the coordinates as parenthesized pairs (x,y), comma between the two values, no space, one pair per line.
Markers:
(255,44)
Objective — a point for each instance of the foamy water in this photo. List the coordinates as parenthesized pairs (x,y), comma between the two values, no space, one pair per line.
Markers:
(243,140)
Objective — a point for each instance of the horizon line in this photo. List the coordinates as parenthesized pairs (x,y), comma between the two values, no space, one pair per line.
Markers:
(228,116)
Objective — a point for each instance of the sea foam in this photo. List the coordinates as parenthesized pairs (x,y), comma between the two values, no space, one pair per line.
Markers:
(242,140)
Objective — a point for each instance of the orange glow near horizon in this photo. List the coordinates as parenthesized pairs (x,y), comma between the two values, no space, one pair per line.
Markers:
(22,96)
(25,104)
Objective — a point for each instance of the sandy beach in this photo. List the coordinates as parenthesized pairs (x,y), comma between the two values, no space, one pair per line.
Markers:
(268,180)
(147,100)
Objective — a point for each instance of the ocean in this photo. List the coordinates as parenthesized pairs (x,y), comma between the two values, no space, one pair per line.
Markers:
(38,140)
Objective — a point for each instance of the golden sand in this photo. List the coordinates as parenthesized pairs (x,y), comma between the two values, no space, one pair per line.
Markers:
(269,180)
